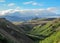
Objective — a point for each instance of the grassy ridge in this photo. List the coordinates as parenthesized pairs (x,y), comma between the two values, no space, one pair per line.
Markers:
(47,33)
(55,38)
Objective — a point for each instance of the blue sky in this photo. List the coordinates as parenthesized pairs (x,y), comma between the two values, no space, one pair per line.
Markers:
(29,4)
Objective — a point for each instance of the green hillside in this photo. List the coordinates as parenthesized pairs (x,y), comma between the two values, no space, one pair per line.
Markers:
(54,38)
(48,33)
(36,31)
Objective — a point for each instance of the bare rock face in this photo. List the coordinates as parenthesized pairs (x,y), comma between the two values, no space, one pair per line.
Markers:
(13,32)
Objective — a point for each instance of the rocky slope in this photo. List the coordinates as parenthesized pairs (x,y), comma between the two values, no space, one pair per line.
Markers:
(12,32)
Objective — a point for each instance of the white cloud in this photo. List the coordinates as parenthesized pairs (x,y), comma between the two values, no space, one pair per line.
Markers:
(18,7)
(33,3)
(52,9)
(28,2)
(2,0)
(5,11)
(37,4)
(29,11)
(11,4)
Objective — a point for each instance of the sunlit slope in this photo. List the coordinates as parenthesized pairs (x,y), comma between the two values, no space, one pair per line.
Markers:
(27,26)
(47,30)
(54,38)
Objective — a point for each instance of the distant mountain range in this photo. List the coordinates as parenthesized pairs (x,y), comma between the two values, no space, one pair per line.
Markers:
(18,16)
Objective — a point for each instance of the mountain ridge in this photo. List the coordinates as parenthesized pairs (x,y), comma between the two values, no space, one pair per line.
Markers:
(26,16)
(10,30)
